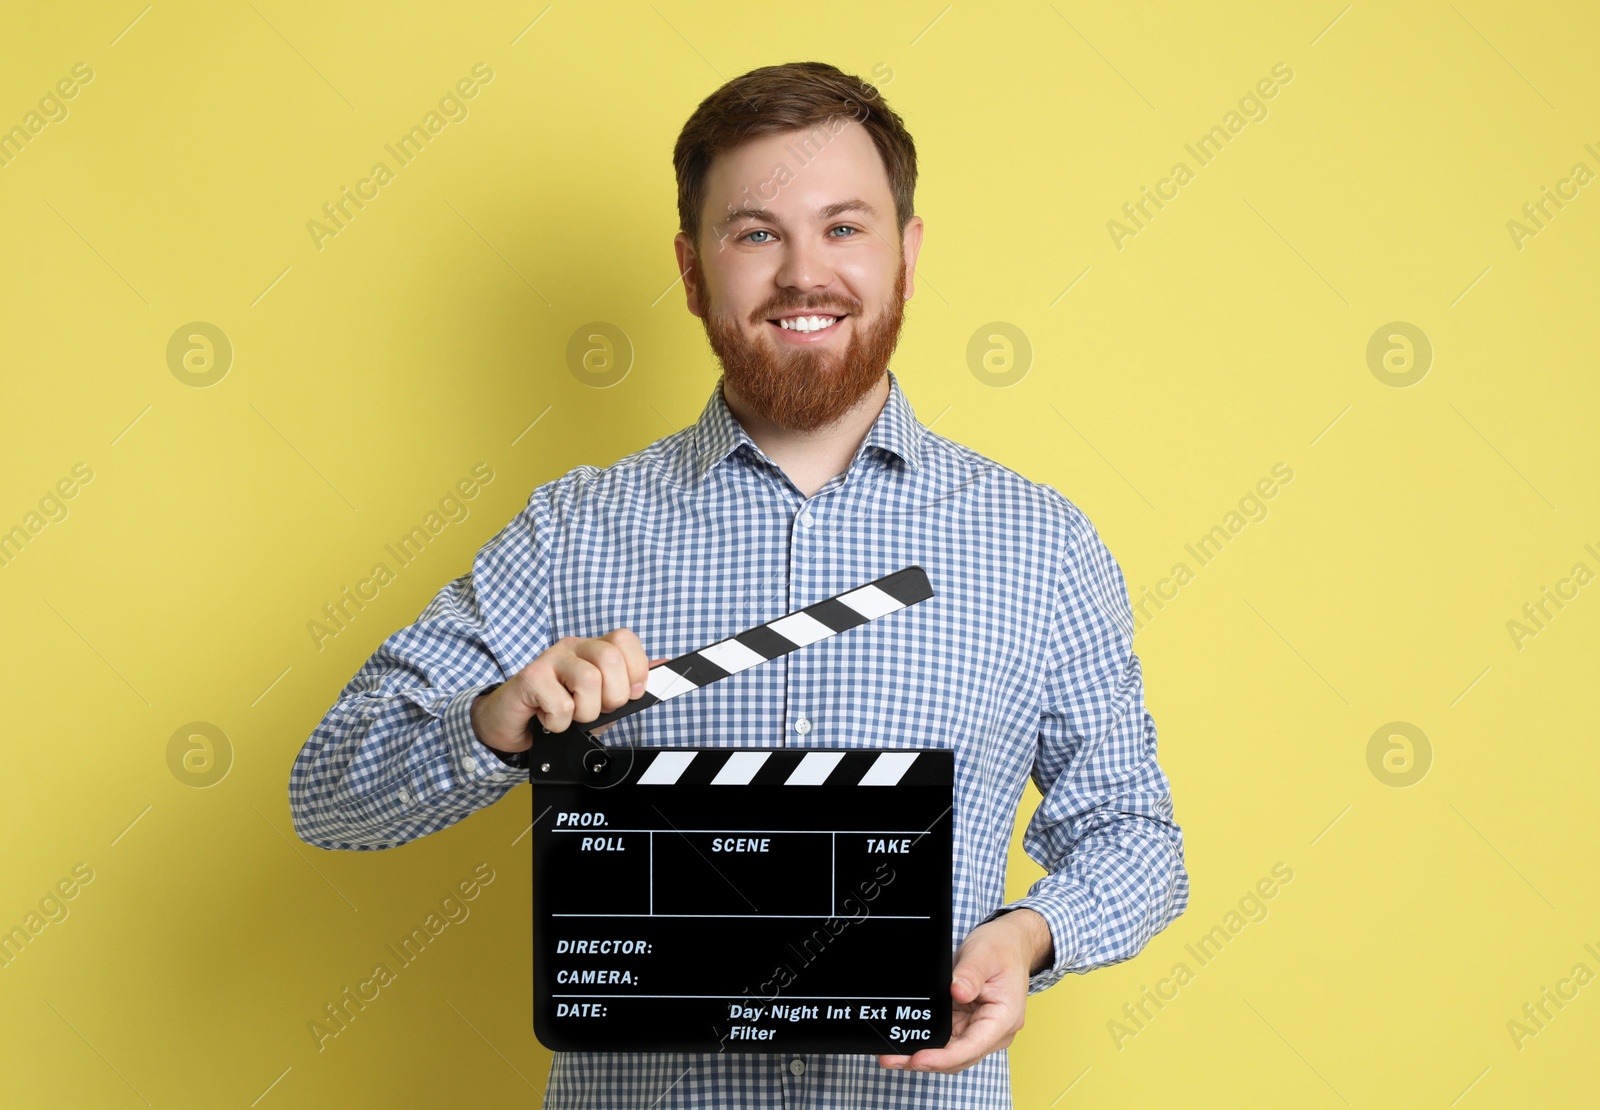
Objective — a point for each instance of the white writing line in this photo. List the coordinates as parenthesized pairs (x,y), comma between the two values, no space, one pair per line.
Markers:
(757,916)
(759,832)
(832,998)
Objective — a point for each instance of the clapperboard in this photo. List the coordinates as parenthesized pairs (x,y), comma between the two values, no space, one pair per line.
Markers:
(738,899)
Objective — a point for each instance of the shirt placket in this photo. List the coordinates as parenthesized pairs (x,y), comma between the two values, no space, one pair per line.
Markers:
(797,724)
(792,1069)
(806,568)
(806,563)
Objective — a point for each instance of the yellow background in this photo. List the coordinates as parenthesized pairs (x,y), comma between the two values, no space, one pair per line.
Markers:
(1229,335)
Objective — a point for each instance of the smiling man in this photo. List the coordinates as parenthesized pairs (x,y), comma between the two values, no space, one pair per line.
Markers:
(803,325)
(806,474)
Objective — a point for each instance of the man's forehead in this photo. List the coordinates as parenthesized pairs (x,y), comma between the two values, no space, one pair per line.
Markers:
(804,174)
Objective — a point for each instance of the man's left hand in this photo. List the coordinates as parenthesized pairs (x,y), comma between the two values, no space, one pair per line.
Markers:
(989,986)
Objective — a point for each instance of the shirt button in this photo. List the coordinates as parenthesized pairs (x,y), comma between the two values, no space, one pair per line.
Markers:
(797,1066)
(406,796)
(802,726)
(497,777)
(808,520)
(468,764)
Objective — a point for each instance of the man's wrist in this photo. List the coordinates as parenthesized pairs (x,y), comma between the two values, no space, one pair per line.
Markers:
(469,755)
(1033,933)
(518,760)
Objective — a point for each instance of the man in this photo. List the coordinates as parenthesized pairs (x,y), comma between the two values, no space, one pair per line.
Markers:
(806,474)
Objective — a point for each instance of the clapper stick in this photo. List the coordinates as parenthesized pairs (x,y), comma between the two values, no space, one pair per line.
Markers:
(577,756)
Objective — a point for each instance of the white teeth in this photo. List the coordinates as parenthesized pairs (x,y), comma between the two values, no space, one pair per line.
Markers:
(807,323)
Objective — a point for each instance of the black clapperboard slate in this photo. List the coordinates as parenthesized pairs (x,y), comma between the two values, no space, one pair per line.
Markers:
(743,899)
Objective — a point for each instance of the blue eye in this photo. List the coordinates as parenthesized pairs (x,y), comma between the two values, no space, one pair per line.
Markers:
(843,227)
(758,231)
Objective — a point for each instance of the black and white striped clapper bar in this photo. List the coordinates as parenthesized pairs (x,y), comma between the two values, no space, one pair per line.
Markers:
(695,899)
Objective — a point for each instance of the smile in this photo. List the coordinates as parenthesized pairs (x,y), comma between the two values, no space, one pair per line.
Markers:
(807,323)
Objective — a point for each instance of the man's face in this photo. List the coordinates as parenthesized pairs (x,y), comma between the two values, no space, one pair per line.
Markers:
(801,225)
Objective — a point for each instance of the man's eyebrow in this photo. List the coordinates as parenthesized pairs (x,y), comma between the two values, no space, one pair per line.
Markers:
(826,212)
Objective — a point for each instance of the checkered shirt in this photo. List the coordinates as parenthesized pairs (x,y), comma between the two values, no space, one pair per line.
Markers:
(1022,662)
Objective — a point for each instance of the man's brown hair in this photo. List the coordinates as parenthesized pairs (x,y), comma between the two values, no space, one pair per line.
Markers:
(789,97)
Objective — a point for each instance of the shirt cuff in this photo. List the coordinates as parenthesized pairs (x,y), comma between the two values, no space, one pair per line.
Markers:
(1063,936)
(472,761)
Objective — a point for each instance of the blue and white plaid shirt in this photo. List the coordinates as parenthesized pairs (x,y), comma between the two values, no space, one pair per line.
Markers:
(1022,662)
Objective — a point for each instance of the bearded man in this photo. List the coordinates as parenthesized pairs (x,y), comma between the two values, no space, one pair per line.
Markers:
(806,474)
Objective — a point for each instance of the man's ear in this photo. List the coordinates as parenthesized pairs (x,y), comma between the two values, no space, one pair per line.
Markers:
(689,268)
(911,244)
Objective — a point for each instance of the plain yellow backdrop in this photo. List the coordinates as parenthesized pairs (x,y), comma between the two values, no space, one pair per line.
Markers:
(1369,209)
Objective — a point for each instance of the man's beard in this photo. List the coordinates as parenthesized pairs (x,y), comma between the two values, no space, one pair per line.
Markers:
(801,388)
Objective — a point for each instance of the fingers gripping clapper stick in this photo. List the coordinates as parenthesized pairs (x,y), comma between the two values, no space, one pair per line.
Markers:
(721,899)
(578,756)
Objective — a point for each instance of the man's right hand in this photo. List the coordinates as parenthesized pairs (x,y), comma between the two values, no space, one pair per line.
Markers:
(573,680)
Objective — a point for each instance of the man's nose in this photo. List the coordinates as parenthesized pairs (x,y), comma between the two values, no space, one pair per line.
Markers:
(804,266)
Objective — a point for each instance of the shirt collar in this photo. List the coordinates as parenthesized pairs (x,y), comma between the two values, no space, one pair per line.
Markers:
(896,431)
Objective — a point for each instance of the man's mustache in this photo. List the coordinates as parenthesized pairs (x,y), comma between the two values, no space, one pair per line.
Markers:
(851,309)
